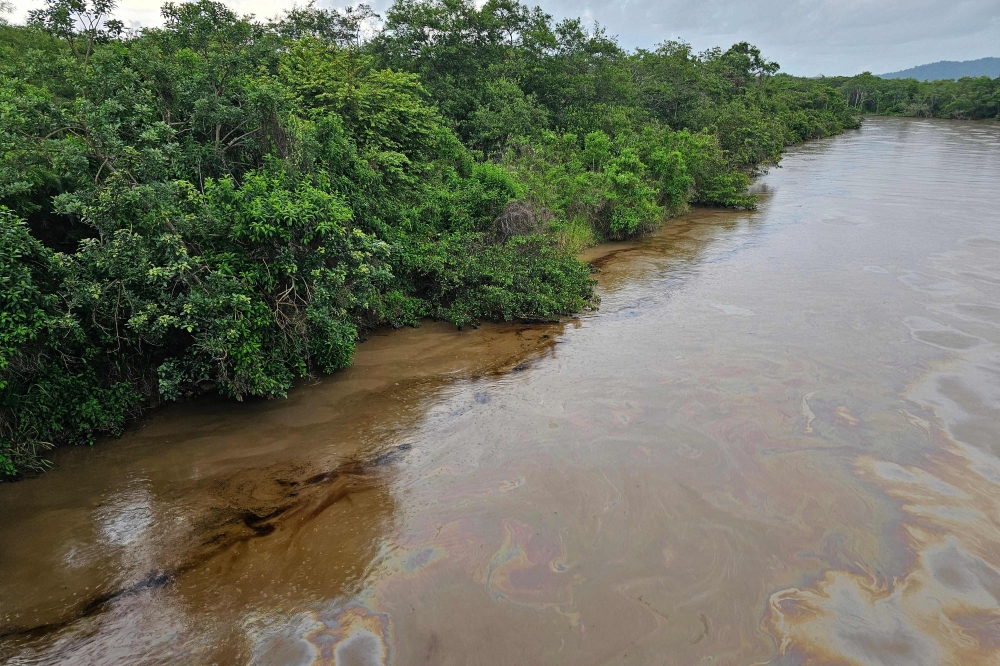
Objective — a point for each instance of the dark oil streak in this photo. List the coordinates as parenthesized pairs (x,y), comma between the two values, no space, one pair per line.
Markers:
(257,524)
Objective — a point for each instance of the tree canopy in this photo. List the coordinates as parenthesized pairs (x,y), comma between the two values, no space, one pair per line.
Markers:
(968,98)
(228,204)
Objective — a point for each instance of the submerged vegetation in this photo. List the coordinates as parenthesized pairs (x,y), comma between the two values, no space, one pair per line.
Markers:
(968,98)
(225,203)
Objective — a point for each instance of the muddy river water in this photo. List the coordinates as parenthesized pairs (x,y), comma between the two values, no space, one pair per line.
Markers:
(777,442)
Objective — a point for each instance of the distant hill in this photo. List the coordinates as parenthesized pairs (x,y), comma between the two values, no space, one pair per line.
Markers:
(949,69)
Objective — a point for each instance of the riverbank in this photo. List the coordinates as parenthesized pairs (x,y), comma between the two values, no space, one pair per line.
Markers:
(256,533)
(235,473)
(968,98)
(230,203)
(774,413)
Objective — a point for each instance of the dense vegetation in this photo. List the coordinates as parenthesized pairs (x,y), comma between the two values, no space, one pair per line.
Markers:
(227,204)
(969,98)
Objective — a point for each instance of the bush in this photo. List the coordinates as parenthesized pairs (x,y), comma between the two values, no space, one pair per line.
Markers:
(228,204)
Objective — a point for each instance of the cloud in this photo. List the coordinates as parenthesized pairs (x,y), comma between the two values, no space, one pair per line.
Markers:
(805,37)
(810,37)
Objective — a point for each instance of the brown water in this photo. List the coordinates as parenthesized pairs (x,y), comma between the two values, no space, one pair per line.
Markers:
(778,441)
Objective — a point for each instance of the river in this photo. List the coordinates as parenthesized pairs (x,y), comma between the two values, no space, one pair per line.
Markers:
(776,442)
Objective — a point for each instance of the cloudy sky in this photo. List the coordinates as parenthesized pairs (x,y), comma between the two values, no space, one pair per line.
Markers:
(807,37)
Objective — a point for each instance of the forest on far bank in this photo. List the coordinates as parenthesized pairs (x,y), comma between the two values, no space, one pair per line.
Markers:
(967,98)
(226,203)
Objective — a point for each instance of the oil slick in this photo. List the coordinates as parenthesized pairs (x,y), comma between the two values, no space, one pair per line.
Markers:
(778,442)
(353,635)
(529,569)
(345,635)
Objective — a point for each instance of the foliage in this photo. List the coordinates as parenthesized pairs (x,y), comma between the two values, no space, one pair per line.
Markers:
(228,204)
(969,98)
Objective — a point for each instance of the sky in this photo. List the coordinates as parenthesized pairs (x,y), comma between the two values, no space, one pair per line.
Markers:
(806,37)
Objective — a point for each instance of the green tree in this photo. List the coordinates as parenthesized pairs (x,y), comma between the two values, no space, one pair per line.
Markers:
(226,204)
